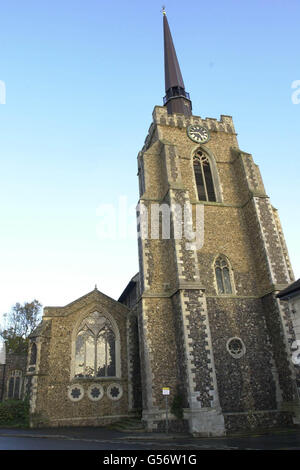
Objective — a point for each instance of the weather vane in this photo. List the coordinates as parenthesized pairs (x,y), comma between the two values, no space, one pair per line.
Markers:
(163,10)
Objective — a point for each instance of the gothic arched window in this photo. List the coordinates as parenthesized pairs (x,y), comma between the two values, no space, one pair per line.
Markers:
(223,276)
(203,177)
(15,385)
(33,354)
(95,349)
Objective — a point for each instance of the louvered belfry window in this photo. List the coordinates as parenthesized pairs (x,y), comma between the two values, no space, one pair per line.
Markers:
(203,176)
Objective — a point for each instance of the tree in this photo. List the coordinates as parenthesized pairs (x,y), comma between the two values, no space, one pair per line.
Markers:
(19,323)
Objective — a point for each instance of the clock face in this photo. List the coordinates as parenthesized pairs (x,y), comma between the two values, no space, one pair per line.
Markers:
(198,134)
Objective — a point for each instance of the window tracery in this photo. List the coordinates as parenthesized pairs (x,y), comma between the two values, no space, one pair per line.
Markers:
(95,348)
(203,177)
(223,276)
(33,354)
(15,385)
(236,347)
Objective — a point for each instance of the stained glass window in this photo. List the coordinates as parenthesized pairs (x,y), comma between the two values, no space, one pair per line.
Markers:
(95,348)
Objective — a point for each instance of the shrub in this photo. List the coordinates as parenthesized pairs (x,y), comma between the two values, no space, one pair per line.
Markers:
(177,406)
(14,413)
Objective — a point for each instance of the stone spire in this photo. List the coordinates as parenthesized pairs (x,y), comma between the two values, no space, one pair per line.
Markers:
(177,99)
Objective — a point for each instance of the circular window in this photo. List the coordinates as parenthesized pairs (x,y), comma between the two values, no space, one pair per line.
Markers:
(75,392)
(95,392)
(236,347)
(114,391)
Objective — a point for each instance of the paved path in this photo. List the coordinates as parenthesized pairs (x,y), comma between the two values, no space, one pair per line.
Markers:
(105,439)
(36,443)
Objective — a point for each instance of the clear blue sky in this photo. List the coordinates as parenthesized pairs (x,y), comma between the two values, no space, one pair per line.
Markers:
(82,79)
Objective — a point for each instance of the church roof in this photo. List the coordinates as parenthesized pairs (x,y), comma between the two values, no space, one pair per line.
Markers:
(131,284)
(40,330)
(94,295)
(177,100)
(290,291)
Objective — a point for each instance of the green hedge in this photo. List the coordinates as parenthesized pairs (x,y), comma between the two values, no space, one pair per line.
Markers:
(177,406)
(14,413)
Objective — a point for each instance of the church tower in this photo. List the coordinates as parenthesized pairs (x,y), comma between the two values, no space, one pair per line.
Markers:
(212,259)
